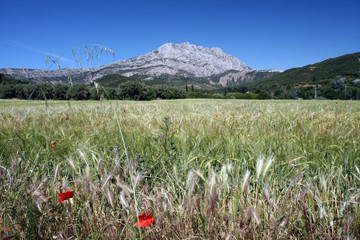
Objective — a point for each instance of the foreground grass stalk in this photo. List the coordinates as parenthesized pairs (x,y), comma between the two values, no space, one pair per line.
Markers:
(130,172)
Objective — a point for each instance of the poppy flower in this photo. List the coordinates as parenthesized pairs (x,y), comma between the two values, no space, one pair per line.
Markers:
(337,102)
(66,118)
(65,195)
(145,220)
(217,115)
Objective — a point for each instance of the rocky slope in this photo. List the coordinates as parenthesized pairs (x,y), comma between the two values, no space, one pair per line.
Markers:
(182,60)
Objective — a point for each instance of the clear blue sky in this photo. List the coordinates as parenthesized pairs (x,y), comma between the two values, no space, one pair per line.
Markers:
(263,34)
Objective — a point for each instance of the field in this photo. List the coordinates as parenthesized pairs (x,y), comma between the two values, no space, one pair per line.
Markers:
(207,169)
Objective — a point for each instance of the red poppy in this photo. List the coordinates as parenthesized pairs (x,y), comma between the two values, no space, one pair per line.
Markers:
(97,124)
(336,102)
(65,195)
(217,115)
(54,143)
(219,104)
(66,118)
(145,220)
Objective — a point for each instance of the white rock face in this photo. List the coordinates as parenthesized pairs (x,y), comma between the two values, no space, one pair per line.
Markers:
(199,61)
(183,59)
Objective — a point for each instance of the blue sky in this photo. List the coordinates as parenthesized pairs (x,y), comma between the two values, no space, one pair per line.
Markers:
(263,34)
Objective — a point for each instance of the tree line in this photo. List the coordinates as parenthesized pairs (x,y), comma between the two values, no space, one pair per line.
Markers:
(125,91)
(338,88)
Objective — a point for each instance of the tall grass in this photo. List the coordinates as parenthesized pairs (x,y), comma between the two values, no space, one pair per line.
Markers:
(208,169)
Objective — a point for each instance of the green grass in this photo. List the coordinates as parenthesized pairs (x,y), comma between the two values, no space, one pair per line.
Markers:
(272,169)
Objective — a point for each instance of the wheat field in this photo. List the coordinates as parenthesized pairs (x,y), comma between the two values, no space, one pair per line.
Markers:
(207,169)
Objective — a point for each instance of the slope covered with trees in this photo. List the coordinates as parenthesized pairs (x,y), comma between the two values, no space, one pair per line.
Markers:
(334,78)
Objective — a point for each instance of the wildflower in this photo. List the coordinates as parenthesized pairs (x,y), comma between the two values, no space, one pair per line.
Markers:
(337,102)
(161,135)
(97,124)
(219,104)
(115,150)
(66,195)
(84,125)
(145,220)
(66,118)
(217,115)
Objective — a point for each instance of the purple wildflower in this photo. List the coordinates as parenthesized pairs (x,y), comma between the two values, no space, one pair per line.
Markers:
(115,150)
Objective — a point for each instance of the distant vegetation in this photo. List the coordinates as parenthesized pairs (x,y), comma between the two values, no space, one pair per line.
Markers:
(127,90)
(119,89)
(336,78)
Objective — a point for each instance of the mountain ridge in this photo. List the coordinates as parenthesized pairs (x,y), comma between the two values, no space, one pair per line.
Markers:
(170,59)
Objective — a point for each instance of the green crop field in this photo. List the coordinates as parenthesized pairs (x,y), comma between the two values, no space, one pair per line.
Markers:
(207,169)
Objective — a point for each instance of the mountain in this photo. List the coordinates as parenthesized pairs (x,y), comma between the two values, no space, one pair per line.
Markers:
(171,63)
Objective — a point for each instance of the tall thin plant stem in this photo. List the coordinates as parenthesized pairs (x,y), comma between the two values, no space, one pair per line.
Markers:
(131,176)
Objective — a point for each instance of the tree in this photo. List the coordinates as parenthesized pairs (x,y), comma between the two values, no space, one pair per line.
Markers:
(132,91)
(46,91)
(60,91)
(78,92)
(7,91)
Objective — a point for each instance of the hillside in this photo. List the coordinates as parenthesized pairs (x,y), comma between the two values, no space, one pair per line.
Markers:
(326,75)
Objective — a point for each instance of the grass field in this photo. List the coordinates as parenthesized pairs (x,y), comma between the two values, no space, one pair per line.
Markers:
(208,169)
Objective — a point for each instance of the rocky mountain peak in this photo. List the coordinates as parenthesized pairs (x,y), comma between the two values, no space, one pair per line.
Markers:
(170,59)
(197,60)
